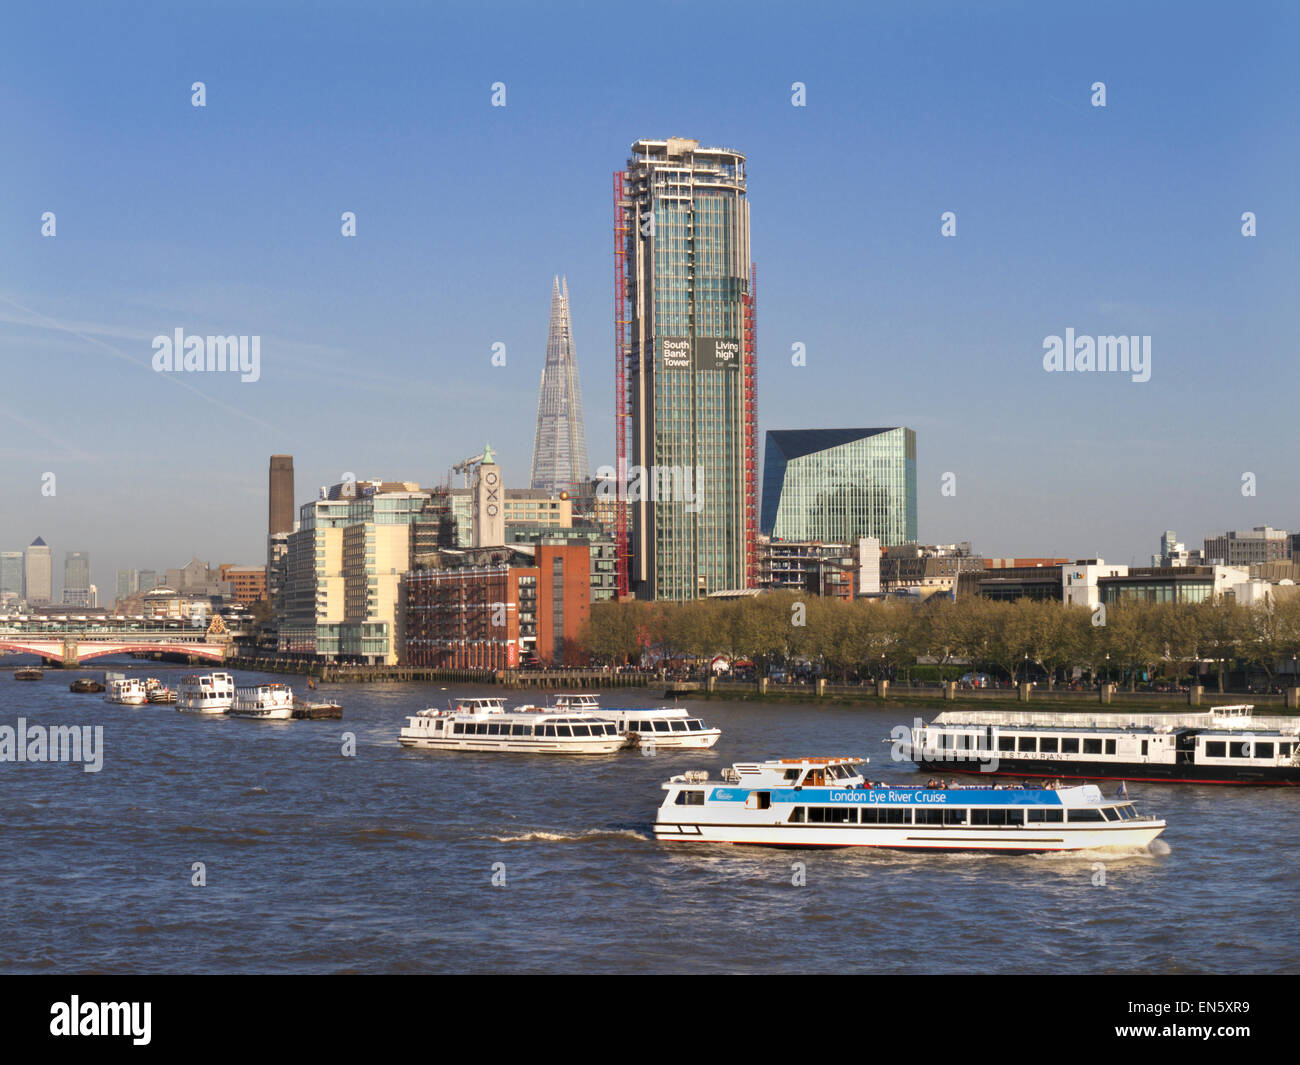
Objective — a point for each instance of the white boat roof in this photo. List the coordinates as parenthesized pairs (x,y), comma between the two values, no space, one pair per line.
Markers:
(1211,717)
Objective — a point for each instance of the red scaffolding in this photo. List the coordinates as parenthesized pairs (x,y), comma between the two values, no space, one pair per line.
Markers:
(622,412)
(751,429)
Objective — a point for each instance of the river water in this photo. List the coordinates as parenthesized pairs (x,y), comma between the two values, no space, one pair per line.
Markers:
(384,861)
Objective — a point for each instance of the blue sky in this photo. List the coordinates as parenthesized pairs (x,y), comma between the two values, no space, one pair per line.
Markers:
(376,350)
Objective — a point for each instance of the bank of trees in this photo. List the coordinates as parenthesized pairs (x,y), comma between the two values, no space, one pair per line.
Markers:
(1015,640)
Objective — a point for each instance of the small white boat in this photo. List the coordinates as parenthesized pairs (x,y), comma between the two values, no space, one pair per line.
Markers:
(266,702)
(127,691)
(647,727)
(825,802)
(486,725)
(206,693)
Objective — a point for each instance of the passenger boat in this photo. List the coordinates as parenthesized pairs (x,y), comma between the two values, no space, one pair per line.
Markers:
(28,673)
(651,728)
(826,802)
(267,702)
(206,693)
(158,693)
(1221,745)
(484,724)
(126,691)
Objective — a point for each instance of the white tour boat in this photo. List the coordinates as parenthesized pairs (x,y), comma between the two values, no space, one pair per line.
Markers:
(127,691)
(651,728)
(206,693)
(266,702)
(1219,745)
(486,725)
(826,802)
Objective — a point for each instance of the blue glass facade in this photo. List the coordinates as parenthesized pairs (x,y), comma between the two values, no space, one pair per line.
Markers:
(836,485)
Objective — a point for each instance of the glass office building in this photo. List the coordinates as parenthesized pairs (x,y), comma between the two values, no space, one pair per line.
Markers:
(690,362)
(836,485)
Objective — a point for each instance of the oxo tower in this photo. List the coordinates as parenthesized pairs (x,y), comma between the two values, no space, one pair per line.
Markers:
(560,446)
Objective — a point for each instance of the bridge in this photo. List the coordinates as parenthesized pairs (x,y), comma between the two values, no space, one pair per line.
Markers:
(69,643)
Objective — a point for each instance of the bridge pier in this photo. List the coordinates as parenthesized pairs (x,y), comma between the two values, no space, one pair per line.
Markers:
(70,657)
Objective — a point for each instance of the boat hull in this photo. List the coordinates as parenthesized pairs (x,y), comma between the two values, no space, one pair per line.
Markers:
(515,745)
(694,741)
(126,700)
(1024,840)
(207,708)
(277,713)
(1138,772)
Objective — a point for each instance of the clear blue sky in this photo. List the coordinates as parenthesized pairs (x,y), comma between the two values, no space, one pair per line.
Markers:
(376,351)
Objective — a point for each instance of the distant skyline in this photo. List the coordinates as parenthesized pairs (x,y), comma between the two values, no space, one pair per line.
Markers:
(377,350)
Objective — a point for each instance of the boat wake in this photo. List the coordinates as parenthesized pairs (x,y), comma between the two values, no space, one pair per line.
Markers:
(590,835)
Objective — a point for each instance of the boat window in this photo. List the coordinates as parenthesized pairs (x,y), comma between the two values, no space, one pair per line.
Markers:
(1263,750)
(797,816)
(690,798)
(457,730)
(816,815)
(1070,745)
(988,817)
(1216,749)
(1048,745)
(678,726)
(1284,749)
(897,816)
(564,730)
(763,800)
(1086,814)
(582,730)
(1028,743)
(1006,743)
(840,815)
(694,725)
(929,817)
(869,815)
(521,730)
(1144,748)
(1092,746)
(1015,817)
(549,730)
(1110,746)
(1238,750)
(1044,816)
(945,740)
(791,774)
(661,726)
(494,730)
(955,816)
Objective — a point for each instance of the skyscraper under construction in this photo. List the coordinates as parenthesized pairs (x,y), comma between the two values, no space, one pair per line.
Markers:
(560,446)
(686,403)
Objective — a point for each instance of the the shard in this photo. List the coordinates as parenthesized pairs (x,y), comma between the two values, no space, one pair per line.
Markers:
(560,446)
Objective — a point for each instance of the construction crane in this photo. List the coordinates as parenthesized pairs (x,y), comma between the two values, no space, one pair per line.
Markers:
(465,467)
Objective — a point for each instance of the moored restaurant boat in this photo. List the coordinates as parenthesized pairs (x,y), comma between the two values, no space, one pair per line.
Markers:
(484,724)
(126,691)
(206,693)
(647,727)
(826,802)
(1220,745)
(267,702)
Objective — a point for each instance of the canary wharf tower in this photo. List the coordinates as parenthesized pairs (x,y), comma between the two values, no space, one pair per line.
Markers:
(686,402)
(560,446)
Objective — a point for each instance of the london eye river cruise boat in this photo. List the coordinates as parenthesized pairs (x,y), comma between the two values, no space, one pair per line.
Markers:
(486,725)
(206,693)
(661,727)
(825,802)
(1222,745)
